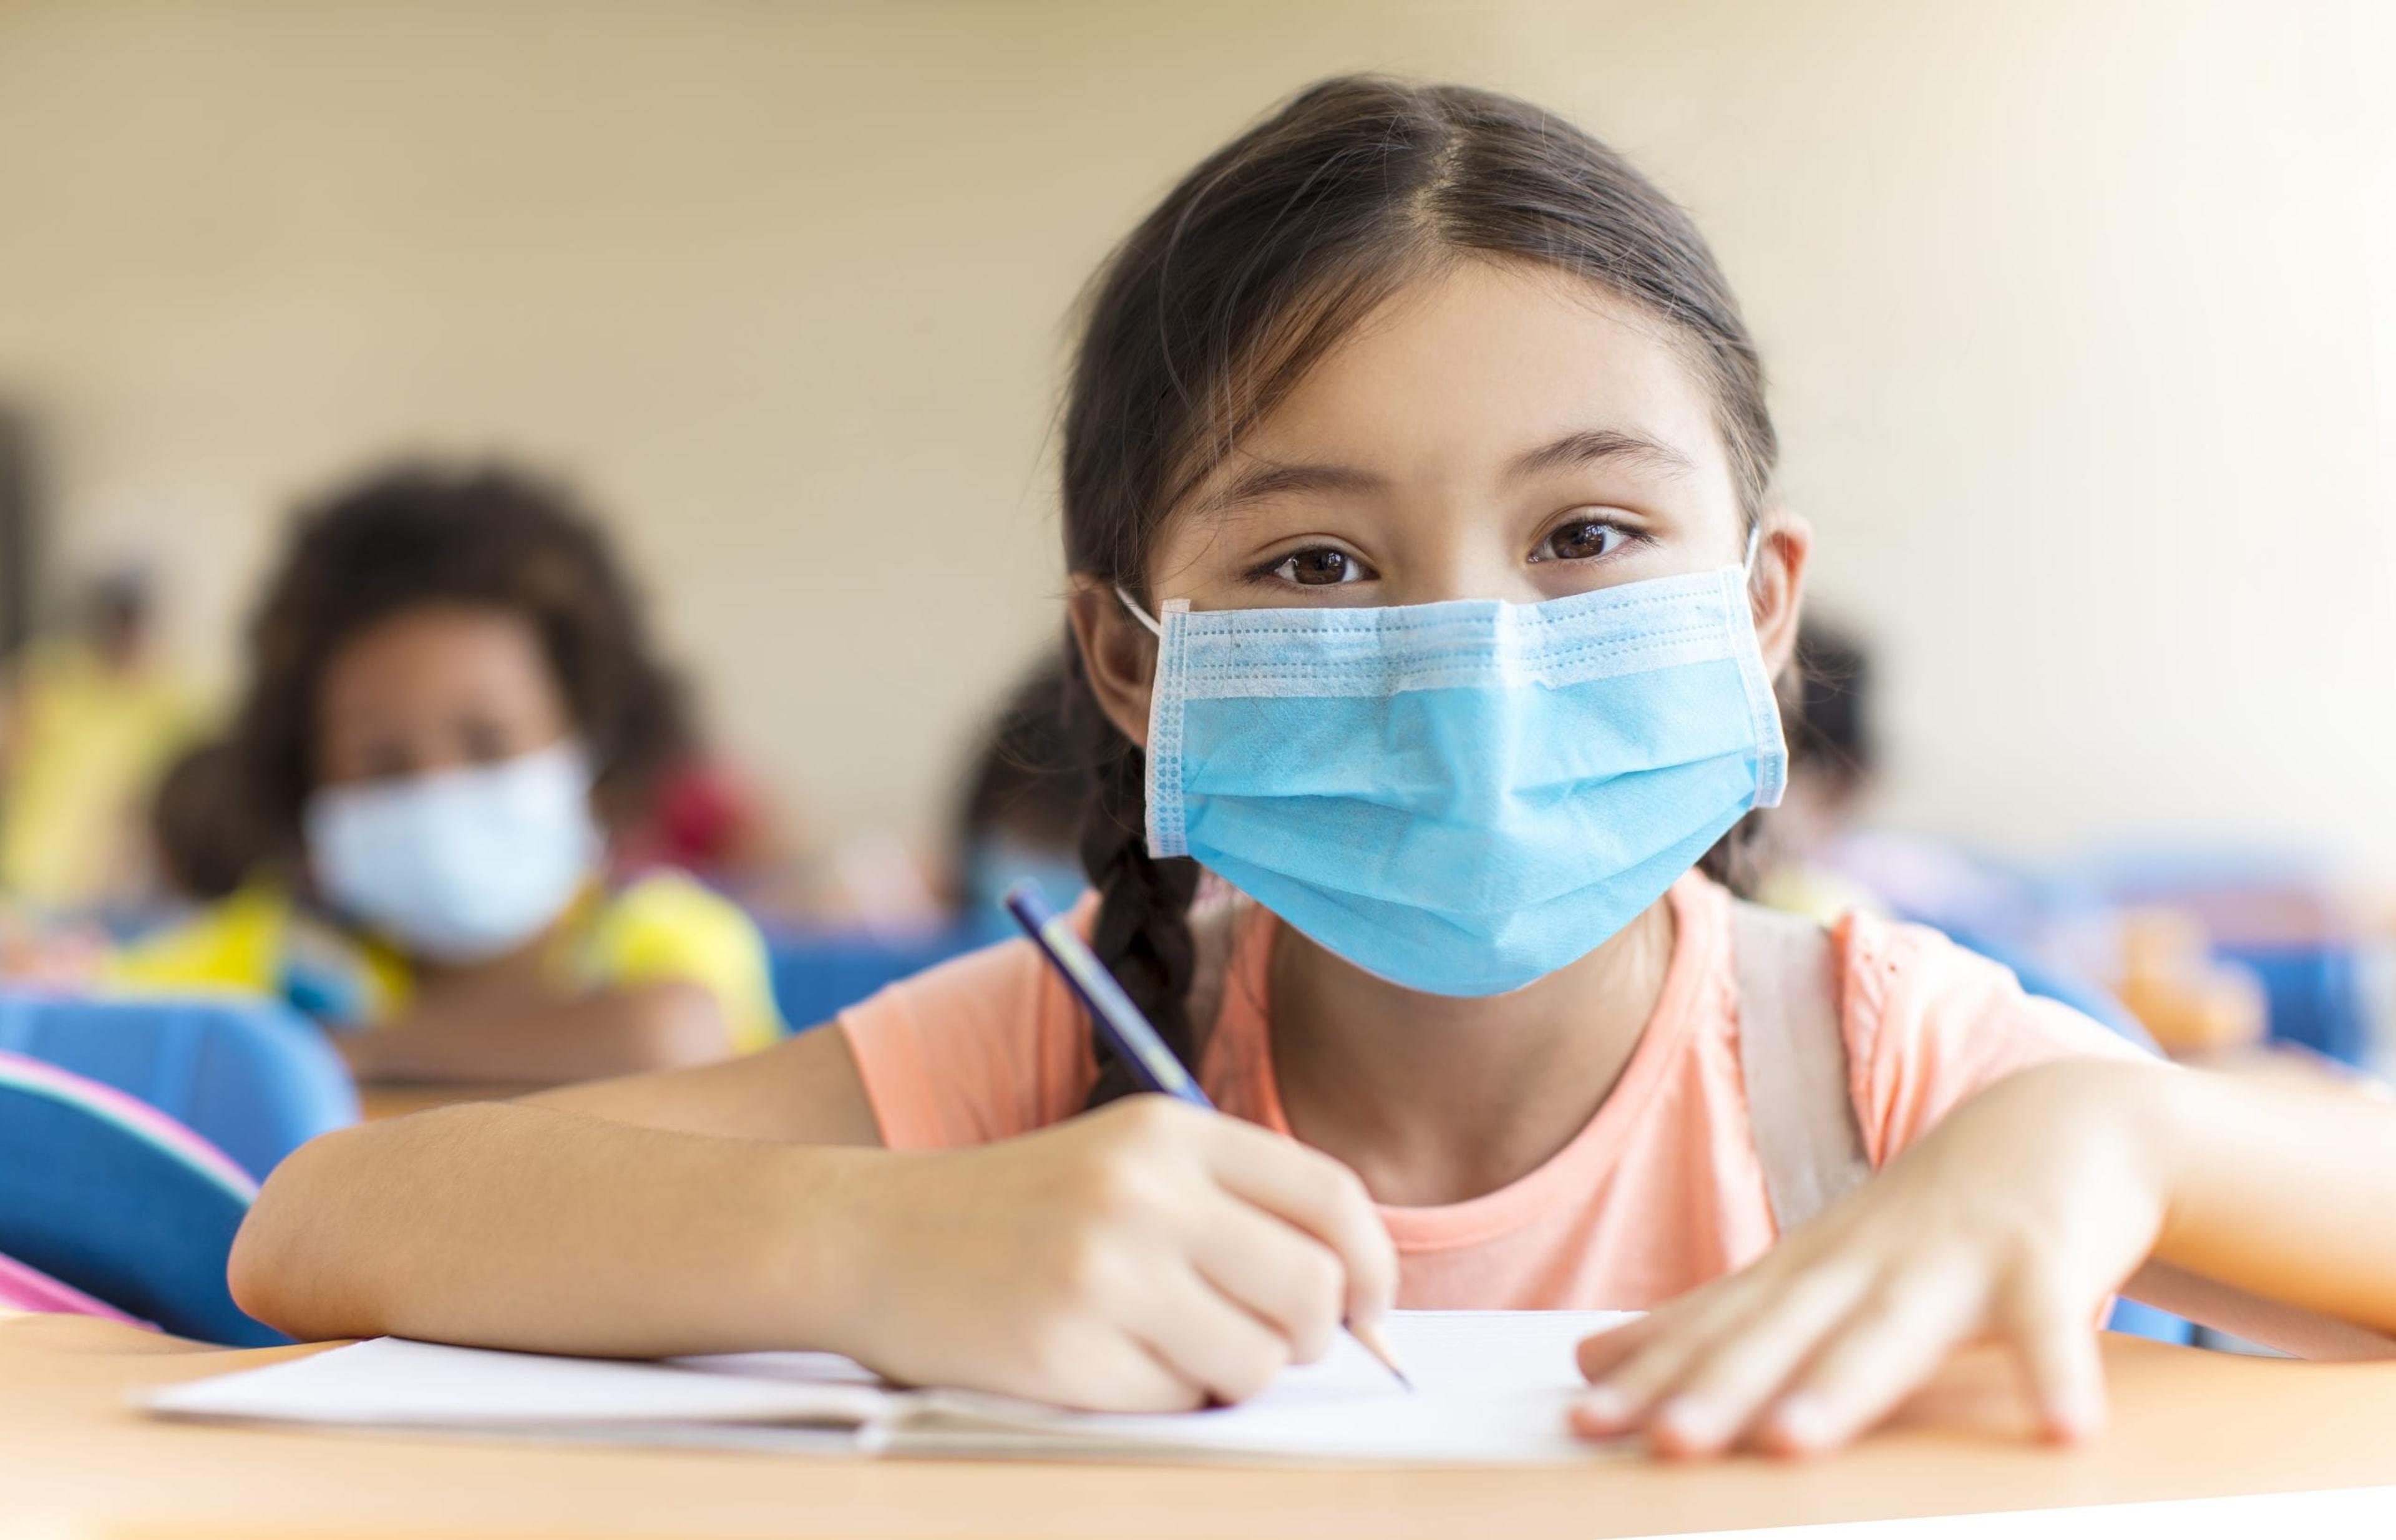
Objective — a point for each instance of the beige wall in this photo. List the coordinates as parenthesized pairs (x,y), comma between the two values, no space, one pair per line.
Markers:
(2070,308)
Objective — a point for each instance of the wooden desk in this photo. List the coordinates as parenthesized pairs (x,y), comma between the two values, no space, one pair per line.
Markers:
(2185,1424)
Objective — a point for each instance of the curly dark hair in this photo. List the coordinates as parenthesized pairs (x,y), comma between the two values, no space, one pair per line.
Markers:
(421,532)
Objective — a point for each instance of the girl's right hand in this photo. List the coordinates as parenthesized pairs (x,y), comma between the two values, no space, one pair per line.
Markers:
(1150,1256)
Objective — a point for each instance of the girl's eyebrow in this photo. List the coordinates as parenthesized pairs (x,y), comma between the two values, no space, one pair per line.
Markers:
(1270,479)
(1588,446)
(1592,446)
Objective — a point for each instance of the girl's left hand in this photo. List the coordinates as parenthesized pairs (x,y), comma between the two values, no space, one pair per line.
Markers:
(2014,1219)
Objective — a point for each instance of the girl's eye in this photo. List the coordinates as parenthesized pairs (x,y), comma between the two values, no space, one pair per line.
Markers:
(384,762)
(1320,567)
(487,744)
(1580,540)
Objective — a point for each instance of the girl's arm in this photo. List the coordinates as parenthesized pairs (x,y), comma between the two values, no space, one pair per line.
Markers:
(2287,1197)
(1149,1257)
(2261,1209)
(617,1031)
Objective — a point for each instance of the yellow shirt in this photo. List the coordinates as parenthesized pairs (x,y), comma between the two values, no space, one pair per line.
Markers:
(662,926)
(91,741)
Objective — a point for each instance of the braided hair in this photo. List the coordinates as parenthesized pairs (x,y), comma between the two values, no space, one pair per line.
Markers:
(1252,267)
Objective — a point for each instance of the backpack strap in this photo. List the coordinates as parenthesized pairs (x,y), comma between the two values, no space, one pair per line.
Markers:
(1794,1058)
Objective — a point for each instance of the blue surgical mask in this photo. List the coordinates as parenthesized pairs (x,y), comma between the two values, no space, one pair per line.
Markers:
(459,866)
(1462,797)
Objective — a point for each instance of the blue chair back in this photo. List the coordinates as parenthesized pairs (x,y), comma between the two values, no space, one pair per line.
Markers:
(2314,995)
(110,1197)
(819,974)
(255,1078)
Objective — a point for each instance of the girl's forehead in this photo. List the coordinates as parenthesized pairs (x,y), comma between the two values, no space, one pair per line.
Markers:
(1485,358)
(432,647)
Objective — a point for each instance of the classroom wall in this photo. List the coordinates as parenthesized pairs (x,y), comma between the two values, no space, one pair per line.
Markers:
(2078,312)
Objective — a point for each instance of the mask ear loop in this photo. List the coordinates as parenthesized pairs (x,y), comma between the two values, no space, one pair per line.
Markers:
(1754,544)
(1154,630)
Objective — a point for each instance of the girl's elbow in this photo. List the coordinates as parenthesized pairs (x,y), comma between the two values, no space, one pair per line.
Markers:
(265,1270)
(251,1273)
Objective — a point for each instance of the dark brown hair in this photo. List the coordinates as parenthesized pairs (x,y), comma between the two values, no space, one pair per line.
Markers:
(421,533)
(1240,280)
(1026,781)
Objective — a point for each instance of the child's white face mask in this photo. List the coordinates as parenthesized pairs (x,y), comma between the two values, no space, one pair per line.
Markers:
(1462,797)
(459,866)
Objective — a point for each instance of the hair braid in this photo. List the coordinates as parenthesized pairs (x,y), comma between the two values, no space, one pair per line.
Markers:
(1142,933)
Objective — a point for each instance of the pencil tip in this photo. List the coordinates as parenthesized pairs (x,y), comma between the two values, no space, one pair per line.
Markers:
(1370,1336)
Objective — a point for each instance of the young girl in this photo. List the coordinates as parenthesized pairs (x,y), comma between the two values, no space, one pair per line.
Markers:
(1427,585)
(451,698)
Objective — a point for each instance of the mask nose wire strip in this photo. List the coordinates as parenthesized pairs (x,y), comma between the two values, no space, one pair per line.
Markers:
(1154,630)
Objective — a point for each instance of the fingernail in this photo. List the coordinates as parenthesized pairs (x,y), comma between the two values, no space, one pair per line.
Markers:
(1605,1406)
(1687,1420)
(2070,1419)
(1802,1422)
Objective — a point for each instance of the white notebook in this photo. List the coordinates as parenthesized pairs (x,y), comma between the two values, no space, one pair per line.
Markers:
(1491,1386)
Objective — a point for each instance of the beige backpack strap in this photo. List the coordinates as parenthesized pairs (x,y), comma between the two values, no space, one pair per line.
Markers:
(1794,1057)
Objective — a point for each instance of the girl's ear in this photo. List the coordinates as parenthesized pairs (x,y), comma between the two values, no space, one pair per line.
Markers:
(1776,592)
(1118,654)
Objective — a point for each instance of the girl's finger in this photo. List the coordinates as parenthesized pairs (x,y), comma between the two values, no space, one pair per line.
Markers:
(1276,1271)
(1205,1339)
(1599,1353)
(1892,1341)
(1318,1195)
(1673,1339)
(1720,1392)
(2053,1336)
(1103,1370)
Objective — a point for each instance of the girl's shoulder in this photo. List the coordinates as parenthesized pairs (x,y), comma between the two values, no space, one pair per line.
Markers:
(1929,1024)
(666,925)
(260,942)
(984,1046)
(666,908)
(235,943)
(991,1044)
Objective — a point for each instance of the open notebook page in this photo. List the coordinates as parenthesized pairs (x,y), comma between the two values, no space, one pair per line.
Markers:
(1490,1386)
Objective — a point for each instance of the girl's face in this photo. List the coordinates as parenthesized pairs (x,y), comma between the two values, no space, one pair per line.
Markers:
(1500,431)
(437,687)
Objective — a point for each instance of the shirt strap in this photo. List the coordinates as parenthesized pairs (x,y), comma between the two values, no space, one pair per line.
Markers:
(1794,1059)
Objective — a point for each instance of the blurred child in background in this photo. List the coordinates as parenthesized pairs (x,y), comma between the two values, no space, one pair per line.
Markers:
(1020,817)
(202,840)
(451,702)
(92,717)
(1825,707)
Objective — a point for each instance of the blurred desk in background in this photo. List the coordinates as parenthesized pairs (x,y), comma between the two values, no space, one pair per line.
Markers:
(80,1461)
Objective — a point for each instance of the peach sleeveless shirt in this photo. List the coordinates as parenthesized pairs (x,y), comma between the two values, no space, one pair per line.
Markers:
(1661,1191)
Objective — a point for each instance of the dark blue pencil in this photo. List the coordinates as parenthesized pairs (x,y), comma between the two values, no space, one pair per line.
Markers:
(1131,1035)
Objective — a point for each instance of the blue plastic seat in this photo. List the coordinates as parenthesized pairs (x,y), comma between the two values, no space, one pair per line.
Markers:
(2314,995)
(253,1078)
(113,1198)
(819,974)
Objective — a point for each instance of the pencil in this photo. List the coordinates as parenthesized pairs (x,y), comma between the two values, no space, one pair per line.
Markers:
(1135,1040)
